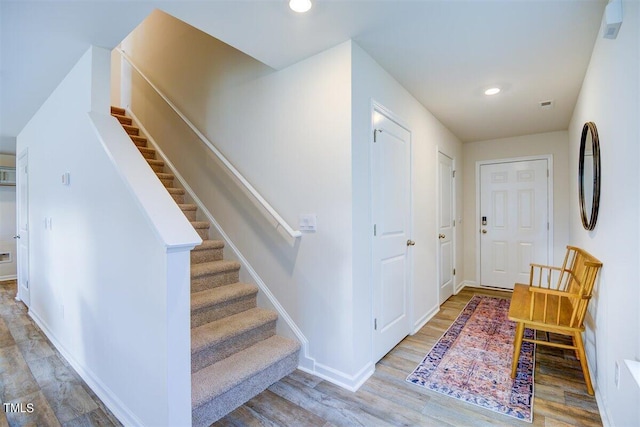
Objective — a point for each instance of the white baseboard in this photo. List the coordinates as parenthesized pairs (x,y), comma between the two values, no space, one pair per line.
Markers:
(349,382)
(115,405)
(464,284)
(8,277)
(424,319)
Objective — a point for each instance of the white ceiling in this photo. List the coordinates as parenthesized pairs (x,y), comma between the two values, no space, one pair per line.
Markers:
(445,52)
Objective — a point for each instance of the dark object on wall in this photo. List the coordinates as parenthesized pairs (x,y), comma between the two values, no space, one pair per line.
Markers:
(589,175)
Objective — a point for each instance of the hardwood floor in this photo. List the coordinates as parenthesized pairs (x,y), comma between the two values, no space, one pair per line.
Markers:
(386,399)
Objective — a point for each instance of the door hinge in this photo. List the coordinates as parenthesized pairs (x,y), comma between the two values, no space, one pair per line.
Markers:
(547,173)
(375,324)
(454,271)
(375,230)
(453,174)
(454,222)
(547,226)
(375,134)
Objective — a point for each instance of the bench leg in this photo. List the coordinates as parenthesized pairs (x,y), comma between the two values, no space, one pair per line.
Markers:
(583,361)
(517,344)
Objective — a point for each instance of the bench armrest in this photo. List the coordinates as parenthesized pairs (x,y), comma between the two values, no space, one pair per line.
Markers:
(549,277)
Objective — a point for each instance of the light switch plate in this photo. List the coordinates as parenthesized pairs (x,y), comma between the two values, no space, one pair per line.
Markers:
(308,222)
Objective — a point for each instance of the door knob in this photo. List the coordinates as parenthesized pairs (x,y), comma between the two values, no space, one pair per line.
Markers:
(16,237)
(484,231)
(441,236)
(410,243)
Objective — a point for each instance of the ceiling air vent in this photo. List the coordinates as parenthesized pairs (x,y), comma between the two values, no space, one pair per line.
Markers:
(546,105)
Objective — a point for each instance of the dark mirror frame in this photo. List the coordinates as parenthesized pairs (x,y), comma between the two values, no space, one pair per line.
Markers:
(589,218)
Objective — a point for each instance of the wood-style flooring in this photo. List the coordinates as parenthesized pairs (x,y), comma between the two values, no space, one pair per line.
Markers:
(386,399)
(31,370)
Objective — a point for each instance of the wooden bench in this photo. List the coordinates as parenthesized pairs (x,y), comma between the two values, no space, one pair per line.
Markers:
(555,300)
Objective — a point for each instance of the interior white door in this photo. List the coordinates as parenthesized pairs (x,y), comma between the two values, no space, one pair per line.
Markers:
(514,221)
(391,205)
(22,236)
(446,224)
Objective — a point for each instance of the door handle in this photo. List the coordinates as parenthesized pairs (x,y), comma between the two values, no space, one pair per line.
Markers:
(484,231)
(411,243)
(16,236)
(441,236)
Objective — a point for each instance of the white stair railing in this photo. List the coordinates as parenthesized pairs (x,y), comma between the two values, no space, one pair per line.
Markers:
(274,217)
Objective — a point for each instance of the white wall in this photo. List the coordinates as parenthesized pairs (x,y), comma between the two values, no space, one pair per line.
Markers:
(288,132)
(103,286)
(553,143)
(8,222)
(610,98)
(372,82)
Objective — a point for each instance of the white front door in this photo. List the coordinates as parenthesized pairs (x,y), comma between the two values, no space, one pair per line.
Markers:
(391,214)
(514,220)
(446,224)
(22,236)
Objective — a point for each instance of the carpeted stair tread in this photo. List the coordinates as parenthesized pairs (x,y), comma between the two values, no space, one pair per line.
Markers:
(221,294)
(140,141)
(173,190)
(146,150)
(214,380)
(131,130)
(165,175)
(122,119)
(187,206)
(200,224)
(213,333)
(213,267)
(209,244)
(155,162)
(118,110)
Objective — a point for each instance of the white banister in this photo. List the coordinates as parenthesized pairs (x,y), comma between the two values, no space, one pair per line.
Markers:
(279,223)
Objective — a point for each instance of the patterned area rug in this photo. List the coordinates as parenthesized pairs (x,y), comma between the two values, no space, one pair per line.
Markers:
(472,361)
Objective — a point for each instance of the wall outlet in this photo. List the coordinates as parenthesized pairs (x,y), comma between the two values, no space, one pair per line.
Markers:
(616,375)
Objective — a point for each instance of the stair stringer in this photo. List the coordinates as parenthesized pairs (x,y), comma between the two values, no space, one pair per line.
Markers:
(290,329)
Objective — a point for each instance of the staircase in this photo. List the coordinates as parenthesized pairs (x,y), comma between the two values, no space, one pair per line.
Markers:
(235,353)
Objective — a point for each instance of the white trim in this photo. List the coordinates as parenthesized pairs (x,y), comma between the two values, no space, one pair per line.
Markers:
(349,382)
(464,284)
(549,159)
(9,277)
(104,393)
(424,319)
(280,223)
(305,359)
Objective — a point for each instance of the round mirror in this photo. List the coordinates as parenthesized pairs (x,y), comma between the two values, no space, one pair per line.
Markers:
(589,175)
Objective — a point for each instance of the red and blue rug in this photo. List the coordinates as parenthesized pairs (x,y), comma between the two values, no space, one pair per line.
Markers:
(472,361)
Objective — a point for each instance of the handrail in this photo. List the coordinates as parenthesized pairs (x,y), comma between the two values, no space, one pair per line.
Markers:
(279,221)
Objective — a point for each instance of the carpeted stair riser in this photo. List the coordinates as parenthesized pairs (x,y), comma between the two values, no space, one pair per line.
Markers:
(139,141)
(177,194)
(216,391)
(118,111)
(227,308)
(124,120)
(214,280)
(190,214)
(148,153)
(156,167)
(220,339)
(205,255)
(202,228)
(131,130)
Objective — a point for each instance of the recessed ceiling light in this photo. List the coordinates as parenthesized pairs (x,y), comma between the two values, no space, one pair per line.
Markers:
(492,91)
(300,6)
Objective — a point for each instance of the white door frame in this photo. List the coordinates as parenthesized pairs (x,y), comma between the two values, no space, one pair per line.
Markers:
(549,159)
(376,106)
(455,226)
(20,294)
